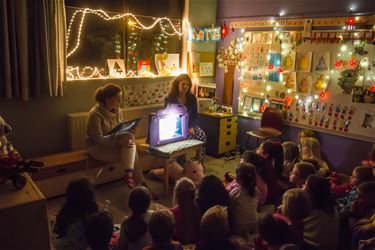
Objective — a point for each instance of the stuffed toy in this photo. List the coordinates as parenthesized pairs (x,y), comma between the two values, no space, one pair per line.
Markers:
(11,163)
(192,170)
(7,151)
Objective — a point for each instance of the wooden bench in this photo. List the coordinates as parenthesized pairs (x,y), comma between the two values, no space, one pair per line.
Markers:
(59,169)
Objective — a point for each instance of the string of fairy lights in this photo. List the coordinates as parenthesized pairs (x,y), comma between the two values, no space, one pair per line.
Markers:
(79,16)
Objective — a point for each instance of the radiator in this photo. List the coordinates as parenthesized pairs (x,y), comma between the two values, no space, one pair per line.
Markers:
(77,125)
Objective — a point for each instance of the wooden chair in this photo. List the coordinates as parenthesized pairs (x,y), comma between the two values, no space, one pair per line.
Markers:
(270,126)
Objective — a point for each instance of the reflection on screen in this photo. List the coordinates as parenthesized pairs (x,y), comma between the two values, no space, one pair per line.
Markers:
(170,127)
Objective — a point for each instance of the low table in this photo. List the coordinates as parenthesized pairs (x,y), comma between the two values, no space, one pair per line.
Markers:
(169,152)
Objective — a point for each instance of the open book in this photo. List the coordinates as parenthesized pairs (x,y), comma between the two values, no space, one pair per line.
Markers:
(123,127)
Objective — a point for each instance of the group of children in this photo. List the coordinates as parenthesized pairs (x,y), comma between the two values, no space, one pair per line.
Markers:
(281,196)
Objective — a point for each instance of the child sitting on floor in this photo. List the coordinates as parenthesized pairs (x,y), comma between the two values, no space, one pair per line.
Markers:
(215,230)
(301,171)
(134,229)
(243,214)
(273,155)
(253,158)
(186,212)
(360,174)
(162,226)
(99,229)
(296,206)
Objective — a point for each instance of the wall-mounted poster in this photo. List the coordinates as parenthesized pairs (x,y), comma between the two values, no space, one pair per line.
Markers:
(167,63)
(368,119)
(206,69)
(289,61)
(304,61)
(116,67)
(290,79)
(304,81)
(257,37)
(320,82)
(321,61)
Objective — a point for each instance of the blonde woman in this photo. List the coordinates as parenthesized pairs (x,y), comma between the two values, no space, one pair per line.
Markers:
(311,149)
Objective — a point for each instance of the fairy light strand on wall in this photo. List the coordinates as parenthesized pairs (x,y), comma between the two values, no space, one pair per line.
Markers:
(177,30)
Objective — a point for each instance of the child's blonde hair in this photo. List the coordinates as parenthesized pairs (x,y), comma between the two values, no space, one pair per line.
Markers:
(314,147)
(184,191)
(296,204)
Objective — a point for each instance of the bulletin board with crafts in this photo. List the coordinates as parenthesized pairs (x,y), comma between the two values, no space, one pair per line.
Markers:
(320,72)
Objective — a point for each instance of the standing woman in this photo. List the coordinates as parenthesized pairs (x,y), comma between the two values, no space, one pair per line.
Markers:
(103,117)
(180,93)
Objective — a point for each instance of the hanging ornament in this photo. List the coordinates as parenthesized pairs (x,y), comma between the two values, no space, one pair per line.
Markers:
(262,108)
(323,94)
(224,30)
(270,66)
(372,88)
(280,70)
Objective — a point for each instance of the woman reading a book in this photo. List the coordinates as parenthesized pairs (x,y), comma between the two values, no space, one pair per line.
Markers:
(104,145)
(180,93)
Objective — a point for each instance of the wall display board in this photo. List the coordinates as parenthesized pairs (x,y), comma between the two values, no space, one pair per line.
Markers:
(323,77)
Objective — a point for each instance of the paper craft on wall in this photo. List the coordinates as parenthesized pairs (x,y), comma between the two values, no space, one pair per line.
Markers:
(206,69)
(167,63)
(290,80)
(320,82)
(289,61)
(256,38)
(368,119)
(116,67)
(321,61)
(304,83)
(275,62)
(304,61)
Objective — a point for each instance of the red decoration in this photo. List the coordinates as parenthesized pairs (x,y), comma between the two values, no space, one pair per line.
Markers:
(351,20)
(352,62)
(323,94)
(288,100)
(338,64)
(270,66)
(372,88)
(224,30)
(262,108)
(280,69)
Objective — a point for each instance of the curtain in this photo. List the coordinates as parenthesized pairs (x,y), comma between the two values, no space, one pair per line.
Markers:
(32,48)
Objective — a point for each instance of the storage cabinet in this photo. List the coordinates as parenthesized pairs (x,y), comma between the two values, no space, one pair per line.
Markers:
(221,132)
(23,217)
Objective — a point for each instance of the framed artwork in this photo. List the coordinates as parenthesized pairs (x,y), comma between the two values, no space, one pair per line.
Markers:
(289,61)
(247,103)
(206,69)
(304,61)
(321,61)
(256,103)
(304,82)
(256,38)
(320,82)
(116,67)
(290,79)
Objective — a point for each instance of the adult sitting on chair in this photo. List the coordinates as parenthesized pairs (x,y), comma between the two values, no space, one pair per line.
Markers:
(120,148)
(180,93)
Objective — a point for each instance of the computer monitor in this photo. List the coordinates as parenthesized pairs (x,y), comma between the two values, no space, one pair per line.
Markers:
(168,125)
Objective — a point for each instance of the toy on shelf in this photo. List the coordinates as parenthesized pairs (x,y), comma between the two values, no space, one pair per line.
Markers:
(11,163)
